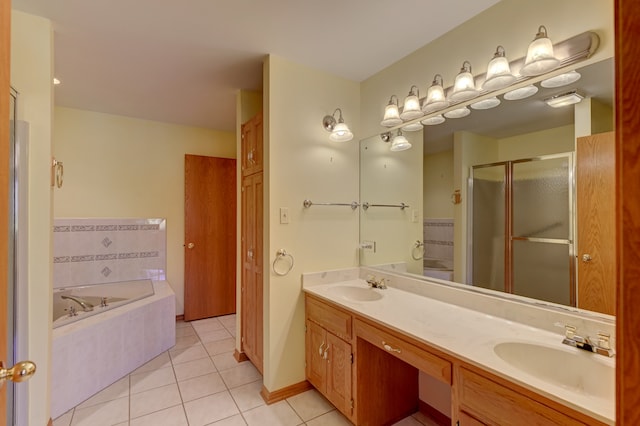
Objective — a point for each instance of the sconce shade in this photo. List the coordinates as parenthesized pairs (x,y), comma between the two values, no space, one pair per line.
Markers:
(432,121)
(458,113)
(498,72)
(521,93)
(486,103)
(411,107)
(540,57)
(435,96)
(339,130)
(413,127)
(561,80)
(400,143)
(464,87)
(391,114)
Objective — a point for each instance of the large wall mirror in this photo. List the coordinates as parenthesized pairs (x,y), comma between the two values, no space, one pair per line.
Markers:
(490,200)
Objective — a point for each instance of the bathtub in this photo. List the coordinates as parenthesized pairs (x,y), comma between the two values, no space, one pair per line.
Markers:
(438,268)
(94,349)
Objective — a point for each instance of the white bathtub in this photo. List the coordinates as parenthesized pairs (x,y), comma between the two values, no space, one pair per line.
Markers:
(91,354)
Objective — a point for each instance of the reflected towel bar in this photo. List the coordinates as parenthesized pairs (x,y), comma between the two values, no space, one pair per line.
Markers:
(308,203)
(402,206)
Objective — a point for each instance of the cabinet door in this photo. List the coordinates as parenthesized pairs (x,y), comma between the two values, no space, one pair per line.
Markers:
(316,343)
(339,373)
(252,145)
(466,420)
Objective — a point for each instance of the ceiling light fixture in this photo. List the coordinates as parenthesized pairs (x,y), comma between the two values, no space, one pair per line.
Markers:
(339,130)
(432,121)
(499,73)
(411,107)
(521,93)
(435,96)
(400,143)
(561,80)
(391,113)
(564,99)
(540,57)
(464,87)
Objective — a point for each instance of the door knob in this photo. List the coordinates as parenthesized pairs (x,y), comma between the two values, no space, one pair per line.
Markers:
(190,245)
(586,258)
(18,373)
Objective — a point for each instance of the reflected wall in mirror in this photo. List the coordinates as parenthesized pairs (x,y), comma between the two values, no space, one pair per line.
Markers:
(513,131)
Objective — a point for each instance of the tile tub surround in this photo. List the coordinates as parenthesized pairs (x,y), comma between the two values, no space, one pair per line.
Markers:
(438,239)
(101,250)
(93,353)
(467,325)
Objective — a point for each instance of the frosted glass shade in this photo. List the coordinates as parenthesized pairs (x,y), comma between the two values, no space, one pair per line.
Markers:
(432,121)
(540,57)
(435,99)
(458,113)
(413,127)
(391,116)
(411,108)
(498,74)
(400,143)
(464,87)
(341,133)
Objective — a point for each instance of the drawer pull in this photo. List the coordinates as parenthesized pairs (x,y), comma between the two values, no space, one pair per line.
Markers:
(390,348)
(320,350)
(326,353)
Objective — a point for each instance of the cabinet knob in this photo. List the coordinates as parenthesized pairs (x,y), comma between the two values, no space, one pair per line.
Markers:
(387,347)
(586,258)
(190,246)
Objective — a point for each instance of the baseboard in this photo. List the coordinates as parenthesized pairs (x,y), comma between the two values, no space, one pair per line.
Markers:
(179,317)
(433,414)
(284,393)
(240,356)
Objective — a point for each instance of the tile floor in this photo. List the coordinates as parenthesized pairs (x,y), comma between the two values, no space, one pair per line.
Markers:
(197,383)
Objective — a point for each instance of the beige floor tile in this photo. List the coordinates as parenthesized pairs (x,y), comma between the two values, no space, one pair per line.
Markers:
(207,325)
(214,336)
(117,390)
(241,375)
(64,420)
(225,361)
(173,416)
(153,400)
(185,331)
(408,421)
(146,380)
(189,353)
(198,387)
(310,404)
(248,396)
(210,409)
(332,418)
(186,341)
(424,420)
(156,363)
(229,321)
(182,324)
(278,414)
(104,414)
(198,367)
(236,420)
(220,346)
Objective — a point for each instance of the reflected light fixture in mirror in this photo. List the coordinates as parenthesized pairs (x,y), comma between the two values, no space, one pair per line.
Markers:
(561,80)
(432,121)
(435,99)
(400,143)
(486,103)
(458,113)
(411,107)
(499,73)
(464,87)
(412,127)
(391,113)
(339,130)
(540,57)
(521,93)
(564,99)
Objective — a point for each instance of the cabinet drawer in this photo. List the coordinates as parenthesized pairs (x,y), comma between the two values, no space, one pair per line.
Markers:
(409,353)
(496,404)
(332,319)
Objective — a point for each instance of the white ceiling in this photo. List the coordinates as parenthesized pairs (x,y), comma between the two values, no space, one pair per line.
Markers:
(183,61)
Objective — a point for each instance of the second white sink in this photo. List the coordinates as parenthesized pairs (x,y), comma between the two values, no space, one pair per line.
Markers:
(355,294)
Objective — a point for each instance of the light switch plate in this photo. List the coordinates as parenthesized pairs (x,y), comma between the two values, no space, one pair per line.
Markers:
(284,215)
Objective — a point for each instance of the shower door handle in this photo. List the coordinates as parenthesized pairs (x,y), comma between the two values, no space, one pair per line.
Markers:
(18,373)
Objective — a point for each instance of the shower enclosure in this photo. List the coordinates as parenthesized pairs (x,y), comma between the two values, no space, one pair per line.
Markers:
(521,228)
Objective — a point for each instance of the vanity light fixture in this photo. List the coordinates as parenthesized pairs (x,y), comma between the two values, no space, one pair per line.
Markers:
(391,113)
(339,130)
(464,87)
(564,99)
(499,73)
(411,107)
(435,96)
(412,127)
(400,143)
(561,80)
(432,121)
(458,113)
(486,103)
(540,58)
(521,93)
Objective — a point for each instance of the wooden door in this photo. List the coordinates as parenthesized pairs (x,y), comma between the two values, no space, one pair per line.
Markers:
(5,35)
(596,216)
(251,280)
(339,373)
(316,342)
(210,237)
(252,145)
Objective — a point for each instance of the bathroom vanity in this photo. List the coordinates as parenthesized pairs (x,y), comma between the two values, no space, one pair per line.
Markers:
(366,346)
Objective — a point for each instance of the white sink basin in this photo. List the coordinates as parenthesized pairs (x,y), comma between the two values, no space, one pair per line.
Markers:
(575,370)
(355,294)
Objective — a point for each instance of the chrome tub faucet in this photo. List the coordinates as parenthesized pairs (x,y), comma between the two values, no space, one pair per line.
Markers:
(86,306)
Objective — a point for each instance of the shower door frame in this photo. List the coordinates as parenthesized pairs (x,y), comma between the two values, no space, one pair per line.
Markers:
(509,237)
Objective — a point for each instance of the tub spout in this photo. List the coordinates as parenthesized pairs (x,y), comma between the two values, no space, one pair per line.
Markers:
(86,306)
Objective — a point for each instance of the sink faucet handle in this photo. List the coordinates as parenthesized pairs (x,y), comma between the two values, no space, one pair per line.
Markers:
(604,340)
(569,331)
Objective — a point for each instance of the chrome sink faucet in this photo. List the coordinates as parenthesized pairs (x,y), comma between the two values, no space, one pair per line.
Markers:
(371,280)
(86,306)
(600,346)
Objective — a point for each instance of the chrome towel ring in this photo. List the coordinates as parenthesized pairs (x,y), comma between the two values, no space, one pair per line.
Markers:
(281,255)
(417,251)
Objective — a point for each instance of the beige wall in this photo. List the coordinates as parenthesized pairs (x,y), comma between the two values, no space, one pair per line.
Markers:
(124,167)
(301,162)
(31,76)
(438,185)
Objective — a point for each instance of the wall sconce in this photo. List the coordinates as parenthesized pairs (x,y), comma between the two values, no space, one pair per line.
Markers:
(399,143)
(498,72)
(540,58)
(464,87)
(564,99)
(411,108)
(339,131)
(391,113)
(435,96)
